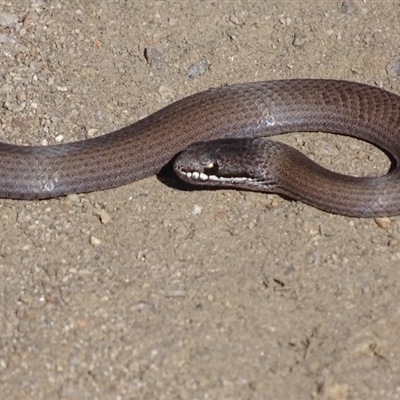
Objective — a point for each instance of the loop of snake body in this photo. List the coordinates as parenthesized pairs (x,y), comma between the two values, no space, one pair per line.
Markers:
(245,112)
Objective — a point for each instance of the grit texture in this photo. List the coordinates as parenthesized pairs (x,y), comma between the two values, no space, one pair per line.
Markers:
(149,292)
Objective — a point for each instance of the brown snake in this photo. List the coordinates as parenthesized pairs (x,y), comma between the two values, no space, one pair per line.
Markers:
(239,111)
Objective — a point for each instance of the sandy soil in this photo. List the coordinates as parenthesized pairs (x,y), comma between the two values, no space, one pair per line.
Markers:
(148,292)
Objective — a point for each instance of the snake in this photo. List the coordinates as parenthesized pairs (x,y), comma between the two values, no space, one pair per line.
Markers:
(219,138)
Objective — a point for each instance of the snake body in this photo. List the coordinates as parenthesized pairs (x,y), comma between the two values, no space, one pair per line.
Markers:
(245,111)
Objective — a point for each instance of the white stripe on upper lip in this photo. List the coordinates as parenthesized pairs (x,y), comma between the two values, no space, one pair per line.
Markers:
(205,177)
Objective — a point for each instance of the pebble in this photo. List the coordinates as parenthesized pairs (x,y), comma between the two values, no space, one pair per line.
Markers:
(285,20)
(8,105)
(5,38)
(366,289)
(72,199)
(348,6)
(197,210)
(383,222)
(31,18)
(237,20)
(299,40)
(199,68)
(101,116)
(166,93)
(329,149)
(176,293)
(95,241)
(154,57)
(21,96)
(336,391)
(173,21)
(276,202)
(7,20)
(103,215)
(393,68)
(92,133)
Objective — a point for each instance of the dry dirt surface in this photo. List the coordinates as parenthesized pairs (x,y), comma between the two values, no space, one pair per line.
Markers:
(149,292)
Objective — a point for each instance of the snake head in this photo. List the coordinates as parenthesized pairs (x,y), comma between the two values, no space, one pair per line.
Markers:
(229,163)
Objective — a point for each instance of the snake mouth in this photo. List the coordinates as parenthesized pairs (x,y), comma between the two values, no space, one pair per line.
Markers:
(203,177)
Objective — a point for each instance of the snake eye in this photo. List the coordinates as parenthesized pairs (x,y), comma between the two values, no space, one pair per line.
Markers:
(211,168)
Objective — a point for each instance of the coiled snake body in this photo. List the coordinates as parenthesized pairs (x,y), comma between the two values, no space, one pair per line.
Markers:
(244,111)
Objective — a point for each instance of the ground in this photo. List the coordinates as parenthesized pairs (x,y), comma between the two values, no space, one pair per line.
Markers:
(149,292)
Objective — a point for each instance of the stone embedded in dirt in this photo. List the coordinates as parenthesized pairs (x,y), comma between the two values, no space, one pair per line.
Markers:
(154,57)
(237,20)
(299,40)
(348,6)
(199,68)
(7,20)
(393,68)
(383,222)
(31,18)
(95,241)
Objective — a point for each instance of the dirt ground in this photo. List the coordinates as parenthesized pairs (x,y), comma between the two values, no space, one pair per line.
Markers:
(149,292)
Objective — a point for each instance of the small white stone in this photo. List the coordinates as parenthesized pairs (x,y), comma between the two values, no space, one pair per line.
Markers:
(72,199)
(91,133)
(197,210)
(383,222)
(103,215)
(95,241)
(165,92)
